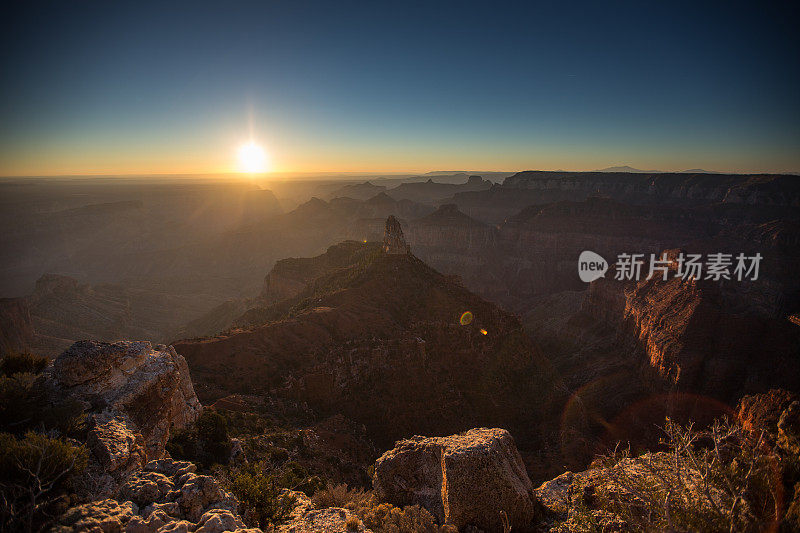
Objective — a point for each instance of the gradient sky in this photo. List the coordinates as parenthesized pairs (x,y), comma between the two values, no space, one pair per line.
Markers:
(173,87)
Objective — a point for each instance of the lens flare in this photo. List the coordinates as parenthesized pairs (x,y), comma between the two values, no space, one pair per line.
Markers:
(466,318)
(483,331)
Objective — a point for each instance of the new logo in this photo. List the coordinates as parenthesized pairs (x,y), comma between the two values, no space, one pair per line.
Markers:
(591,266)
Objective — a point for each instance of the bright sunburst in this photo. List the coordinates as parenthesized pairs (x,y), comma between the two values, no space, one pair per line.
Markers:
(252,158)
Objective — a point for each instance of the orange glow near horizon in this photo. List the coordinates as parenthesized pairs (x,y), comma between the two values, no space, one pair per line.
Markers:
(223,155)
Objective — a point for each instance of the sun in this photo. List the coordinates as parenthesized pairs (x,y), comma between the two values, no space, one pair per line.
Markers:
(252,158)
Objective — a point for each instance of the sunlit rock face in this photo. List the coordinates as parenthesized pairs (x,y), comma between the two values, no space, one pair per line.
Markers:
(393,240)
(697,336)
(467,479)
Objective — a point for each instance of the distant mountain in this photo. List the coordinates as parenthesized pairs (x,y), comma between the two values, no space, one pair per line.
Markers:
(698,171)
(358,191)
(626,168)
(445,172)
(432,191)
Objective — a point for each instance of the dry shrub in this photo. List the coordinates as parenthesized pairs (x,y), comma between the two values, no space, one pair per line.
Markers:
(338,496)
(383,517)
(715,480)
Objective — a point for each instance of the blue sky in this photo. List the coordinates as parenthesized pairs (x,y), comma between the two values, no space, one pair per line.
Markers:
(113,87)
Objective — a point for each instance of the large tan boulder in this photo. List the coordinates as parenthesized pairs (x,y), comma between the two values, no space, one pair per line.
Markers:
(472,478)
(129,386)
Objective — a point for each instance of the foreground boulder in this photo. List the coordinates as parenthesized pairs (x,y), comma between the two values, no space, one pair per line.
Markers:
(146,388)
(473,478)
(133,395)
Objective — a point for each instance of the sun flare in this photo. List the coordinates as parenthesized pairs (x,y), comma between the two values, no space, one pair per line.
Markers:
(252,158)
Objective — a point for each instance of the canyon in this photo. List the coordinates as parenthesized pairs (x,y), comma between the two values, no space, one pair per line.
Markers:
(426,309)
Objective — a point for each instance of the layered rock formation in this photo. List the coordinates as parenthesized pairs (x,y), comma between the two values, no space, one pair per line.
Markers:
(454,243)
(61,311)
(699,336)
(358,191)
(474,478)
(752,189)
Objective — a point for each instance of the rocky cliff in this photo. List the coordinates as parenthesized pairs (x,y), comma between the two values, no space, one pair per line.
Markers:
(698,336)
(751,189)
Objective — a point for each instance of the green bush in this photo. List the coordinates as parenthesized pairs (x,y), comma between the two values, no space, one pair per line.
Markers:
(258,490)
(212,427)
(207,443)
(18,363)
(34,471)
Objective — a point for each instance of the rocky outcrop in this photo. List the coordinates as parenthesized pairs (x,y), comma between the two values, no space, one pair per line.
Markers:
(393,240)
(383,343)
(466,479)
(164,496)
(700,469)
(134,394)
(775,413)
